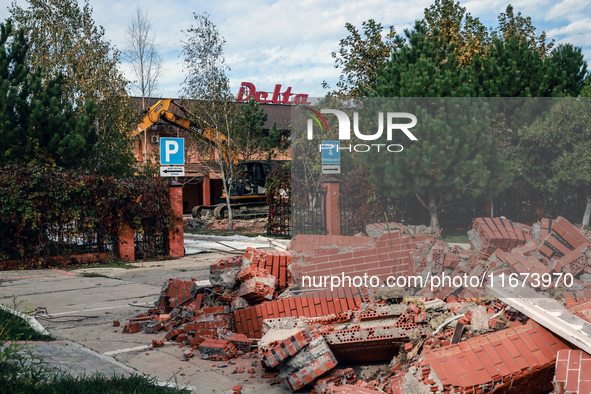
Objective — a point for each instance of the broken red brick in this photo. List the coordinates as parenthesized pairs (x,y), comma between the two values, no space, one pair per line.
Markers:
(497,360)
(241,342)
(335,377)
(131,328)
(272,355)
(217,349)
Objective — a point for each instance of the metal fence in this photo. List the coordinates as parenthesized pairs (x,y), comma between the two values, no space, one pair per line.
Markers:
(309,216)
(305,216)
(150,244)
(76,237)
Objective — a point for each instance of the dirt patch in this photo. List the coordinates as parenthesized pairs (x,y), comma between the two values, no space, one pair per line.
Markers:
(220,226)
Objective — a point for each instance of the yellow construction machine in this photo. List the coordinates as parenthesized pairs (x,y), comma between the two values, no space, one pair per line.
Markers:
(247,186)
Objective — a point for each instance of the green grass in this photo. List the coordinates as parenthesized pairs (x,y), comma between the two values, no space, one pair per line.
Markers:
(93,384)
(20,372)
(105,264)
(14,328)
(456,237)
(94,275)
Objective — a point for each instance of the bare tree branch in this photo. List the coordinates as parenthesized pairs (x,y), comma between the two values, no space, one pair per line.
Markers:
(142,55)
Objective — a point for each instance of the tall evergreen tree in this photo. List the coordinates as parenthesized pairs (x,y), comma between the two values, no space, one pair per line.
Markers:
(451,160)
(571,70)
(64,39)
(555,150)
(37,124)
(249,137)
(450,54)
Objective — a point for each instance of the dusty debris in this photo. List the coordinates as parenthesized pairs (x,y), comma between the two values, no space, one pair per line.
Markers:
(432,336)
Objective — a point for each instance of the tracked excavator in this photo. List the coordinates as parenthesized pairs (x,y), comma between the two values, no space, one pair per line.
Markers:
(247,186)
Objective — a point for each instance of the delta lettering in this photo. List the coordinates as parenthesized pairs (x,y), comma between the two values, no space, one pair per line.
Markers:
(276,98)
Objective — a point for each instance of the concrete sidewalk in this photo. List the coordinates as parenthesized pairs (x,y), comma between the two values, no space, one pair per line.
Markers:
(79,306)
(73,359)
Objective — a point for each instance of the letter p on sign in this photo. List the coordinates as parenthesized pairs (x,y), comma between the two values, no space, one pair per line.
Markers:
(172,151)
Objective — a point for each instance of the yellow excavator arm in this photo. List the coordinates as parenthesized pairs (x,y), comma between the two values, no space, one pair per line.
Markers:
(160,110)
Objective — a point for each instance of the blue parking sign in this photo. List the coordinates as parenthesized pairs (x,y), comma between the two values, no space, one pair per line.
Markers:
(330,152)
(172,151)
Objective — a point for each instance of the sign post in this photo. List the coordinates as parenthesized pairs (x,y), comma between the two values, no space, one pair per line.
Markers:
(172,157)
(331,157)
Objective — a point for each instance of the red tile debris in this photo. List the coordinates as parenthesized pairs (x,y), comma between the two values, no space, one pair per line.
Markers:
(374,259)
(336,377)
(509,359)
(249,320)
(303,334)
(175,292)
(218,349)
(498,233)
(573,372)
(272,355)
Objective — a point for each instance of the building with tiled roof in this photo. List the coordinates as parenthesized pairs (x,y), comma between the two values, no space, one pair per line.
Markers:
(202,181)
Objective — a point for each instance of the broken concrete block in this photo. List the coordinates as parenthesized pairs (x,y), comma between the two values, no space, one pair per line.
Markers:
(281,344)
(433,305)
(258,289)
(308,364)
(335,377)
(217,349)
(154,327)
(479,321)
(224,272)
(175,292)
(239,303)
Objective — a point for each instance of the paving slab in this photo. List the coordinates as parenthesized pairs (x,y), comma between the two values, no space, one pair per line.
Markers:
(73,359)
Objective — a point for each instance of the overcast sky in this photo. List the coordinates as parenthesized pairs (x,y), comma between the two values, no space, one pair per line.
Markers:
(290,42)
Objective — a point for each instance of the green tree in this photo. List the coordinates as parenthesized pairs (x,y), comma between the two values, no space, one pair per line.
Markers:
(449,53)
(451,161)
(572,69)
(461,33)
(423,67)
(64,39)
(211,101)
(250,139)
(360,57)
(511,25)
(37,124)
(555,150)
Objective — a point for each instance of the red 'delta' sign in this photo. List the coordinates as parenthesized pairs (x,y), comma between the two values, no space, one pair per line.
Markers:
(276,98)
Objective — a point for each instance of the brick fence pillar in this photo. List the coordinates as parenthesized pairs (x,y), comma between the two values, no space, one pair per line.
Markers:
(333,209)
(176,235)
(126,243)
(206,190)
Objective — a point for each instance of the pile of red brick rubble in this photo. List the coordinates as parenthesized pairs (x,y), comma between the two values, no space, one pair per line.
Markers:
(437,336)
